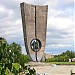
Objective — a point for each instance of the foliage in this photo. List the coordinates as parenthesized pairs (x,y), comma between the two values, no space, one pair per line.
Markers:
(9,68)
(23,59)
(10,54)
(27,70)
(15,52)
(64,57)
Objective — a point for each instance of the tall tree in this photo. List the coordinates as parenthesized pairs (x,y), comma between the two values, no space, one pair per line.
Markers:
(4,50)
(16,51)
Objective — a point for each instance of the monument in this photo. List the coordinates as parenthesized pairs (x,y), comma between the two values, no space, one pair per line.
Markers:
(34,21)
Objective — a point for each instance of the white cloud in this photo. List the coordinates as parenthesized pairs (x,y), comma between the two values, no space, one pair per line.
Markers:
(60,23)
(59,45)
(67,40)
(61,20)
(2,8)
(11,29)
(20,1)
(5,13)
(69,1)
(60,35)
(68,12)
(52,3)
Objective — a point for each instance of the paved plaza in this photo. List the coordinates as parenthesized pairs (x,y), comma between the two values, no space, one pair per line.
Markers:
(52,69)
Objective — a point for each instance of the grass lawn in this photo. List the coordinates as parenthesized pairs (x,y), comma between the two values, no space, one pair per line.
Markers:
(63,63)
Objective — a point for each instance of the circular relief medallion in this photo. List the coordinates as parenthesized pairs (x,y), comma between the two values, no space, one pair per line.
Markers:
(35,45)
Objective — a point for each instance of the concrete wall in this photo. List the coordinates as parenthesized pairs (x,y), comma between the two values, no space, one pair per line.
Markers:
(28,12)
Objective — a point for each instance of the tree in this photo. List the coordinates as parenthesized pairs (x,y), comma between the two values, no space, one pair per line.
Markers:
(10,54)
(4,56)
(4,50)
(23,59)
(16,51)
(64,57)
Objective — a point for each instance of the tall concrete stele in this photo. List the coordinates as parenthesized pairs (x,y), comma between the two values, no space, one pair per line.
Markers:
(34,21)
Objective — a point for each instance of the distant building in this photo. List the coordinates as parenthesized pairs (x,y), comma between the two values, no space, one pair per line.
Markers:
(72,60)
(48,55)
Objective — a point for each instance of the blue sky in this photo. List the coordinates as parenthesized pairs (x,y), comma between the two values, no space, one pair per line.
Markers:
(60,23)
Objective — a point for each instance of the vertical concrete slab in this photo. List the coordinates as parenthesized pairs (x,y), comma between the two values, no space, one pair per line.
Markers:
(34,21)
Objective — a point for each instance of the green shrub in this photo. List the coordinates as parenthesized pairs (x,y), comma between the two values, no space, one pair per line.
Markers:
(11,58)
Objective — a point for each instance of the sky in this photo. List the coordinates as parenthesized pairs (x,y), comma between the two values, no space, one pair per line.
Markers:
(60,24)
